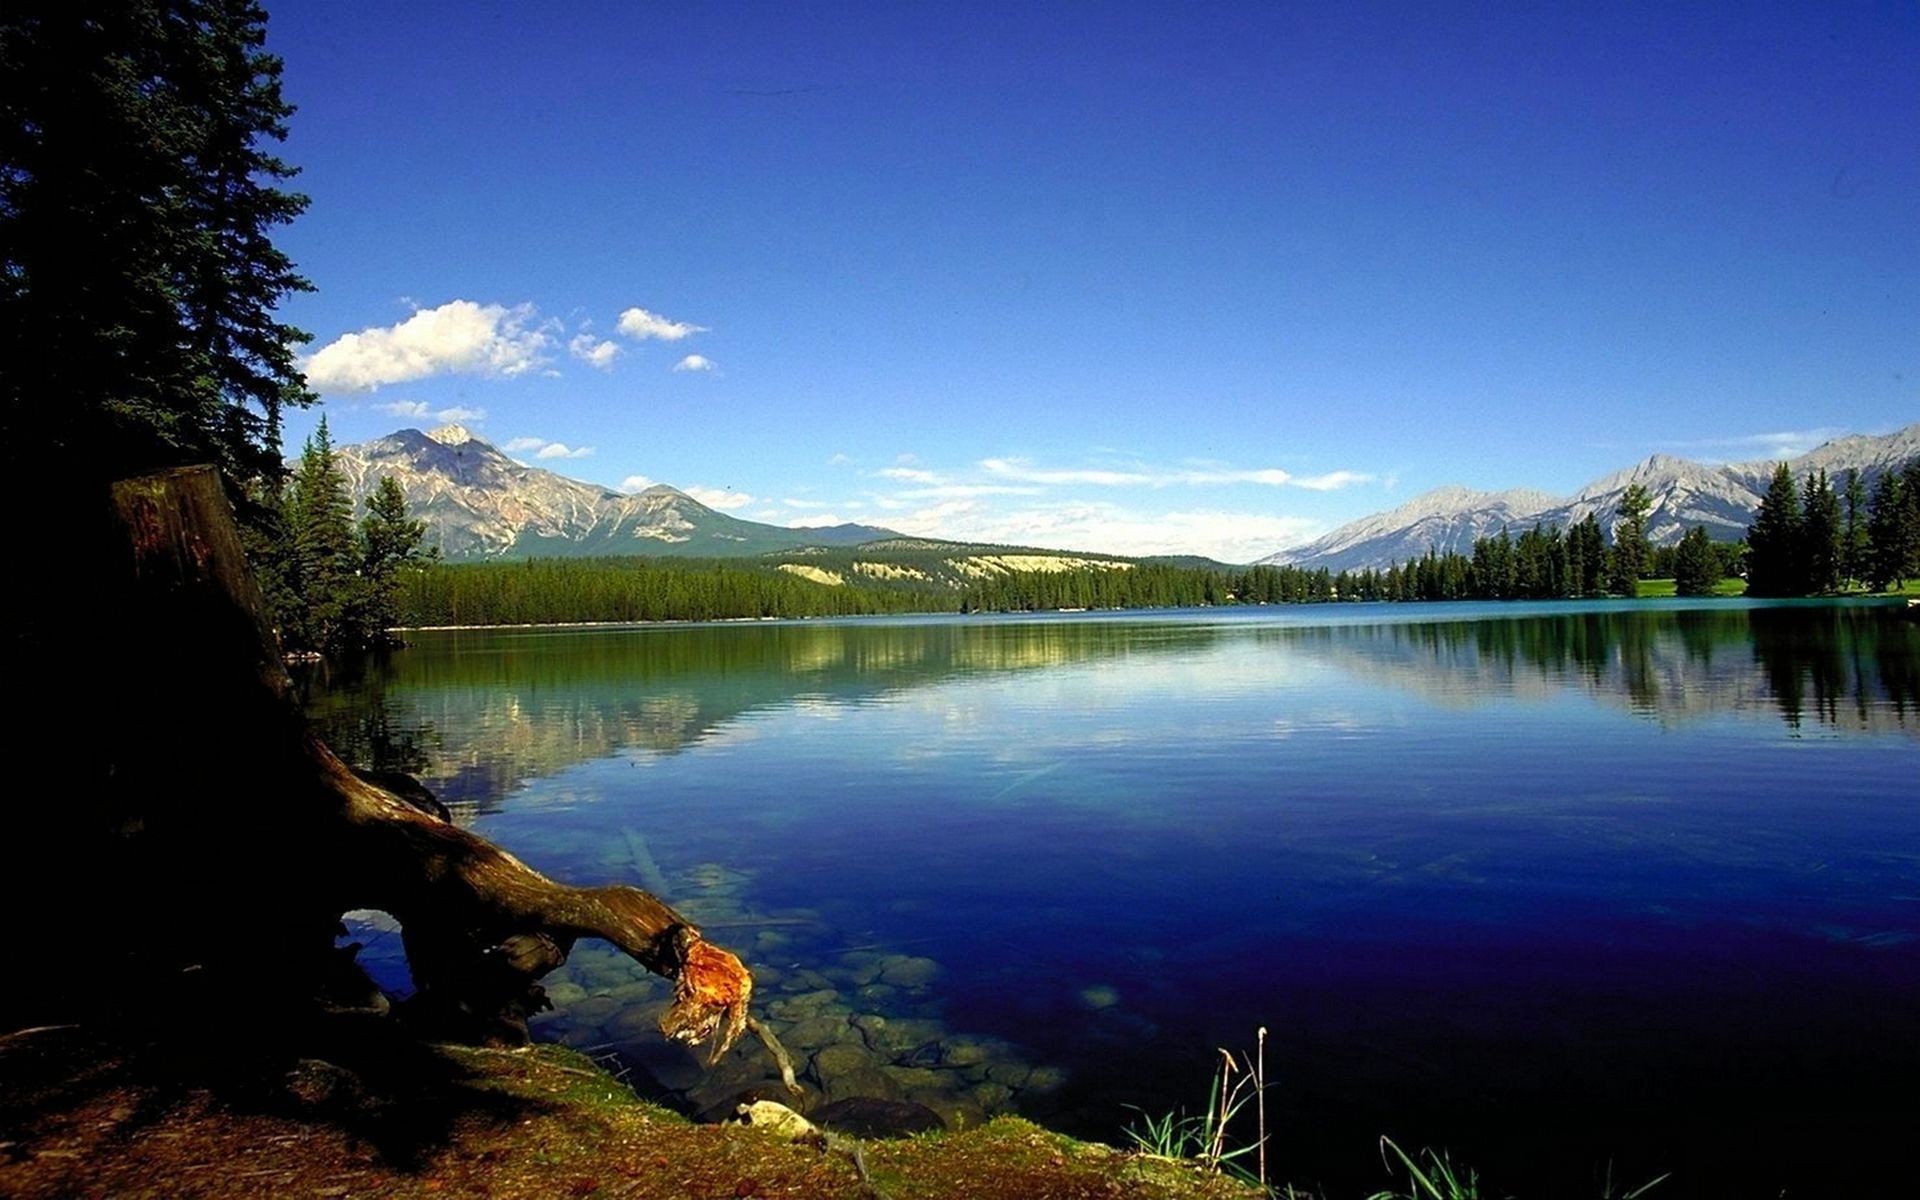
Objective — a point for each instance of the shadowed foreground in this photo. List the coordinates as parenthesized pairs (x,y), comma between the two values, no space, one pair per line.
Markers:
(383,1116)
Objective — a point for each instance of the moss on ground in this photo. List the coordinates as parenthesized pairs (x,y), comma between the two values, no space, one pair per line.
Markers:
(82,1116)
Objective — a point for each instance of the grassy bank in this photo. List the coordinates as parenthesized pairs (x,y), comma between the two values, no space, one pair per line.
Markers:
(80,1116)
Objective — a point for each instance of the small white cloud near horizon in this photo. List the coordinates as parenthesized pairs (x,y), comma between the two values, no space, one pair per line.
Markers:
(696,362)
(908,474)
(595,352)
(461,337)
(635,483)
(720,499)
(640,325)
(561,450)
(520,445)
(1786,443)
(1159,477)
(816,521)
(1099,527)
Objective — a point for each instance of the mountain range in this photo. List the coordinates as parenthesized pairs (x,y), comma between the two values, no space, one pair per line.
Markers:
(479,503)
(1722,499)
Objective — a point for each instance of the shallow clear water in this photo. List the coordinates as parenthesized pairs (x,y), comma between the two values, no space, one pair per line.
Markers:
(1549,884)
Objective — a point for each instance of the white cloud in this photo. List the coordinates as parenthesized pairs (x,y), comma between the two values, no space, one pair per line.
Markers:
(908,474)
(719,498)
(839,460)
(1331,481)
(816,521)
(418,408)
(790,502)
(595,352)
(956,491)
(635,483)
(1159,477)
(520,445)
(696,362)
(460,337)
(1786,443)
(639,324)
(561,450)
(1101,527)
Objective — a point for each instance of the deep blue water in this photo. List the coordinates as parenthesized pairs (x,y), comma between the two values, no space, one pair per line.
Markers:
(1552,885)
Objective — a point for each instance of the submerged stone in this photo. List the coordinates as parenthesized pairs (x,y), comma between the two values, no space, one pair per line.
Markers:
(1099,997)
(909,972)
(867,1117)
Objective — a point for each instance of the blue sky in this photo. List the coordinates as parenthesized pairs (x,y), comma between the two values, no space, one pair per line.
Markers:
(1206,278)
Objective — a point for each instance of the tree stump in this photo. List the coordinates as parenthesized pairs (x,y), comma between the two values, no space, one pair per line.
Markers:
(219,834)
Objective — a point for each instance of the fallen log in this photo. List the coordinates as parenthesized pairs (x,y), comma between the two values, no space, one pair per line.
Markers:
(214,793)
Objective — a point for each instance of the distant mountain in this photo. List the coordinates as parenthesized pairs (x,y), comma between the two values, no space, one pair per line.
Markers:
(1685,494)
(478,503)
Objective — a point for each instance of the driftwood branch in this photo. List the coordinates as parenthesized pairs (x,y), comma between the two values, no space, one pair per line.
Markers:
(259,808)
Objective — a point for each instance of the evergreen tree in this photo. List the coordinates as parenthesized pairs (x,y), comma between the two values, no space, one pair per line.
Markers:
(1855,547)
(1696,565)
(138,279)
(390,542)
(1629,558)
(1885,535)
(1586,558)
(1774,540)
(1821,547)
(325,585)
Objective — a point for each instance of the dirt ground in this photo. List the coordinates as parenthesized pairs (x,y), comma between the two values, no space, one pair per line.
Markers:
(365,1112)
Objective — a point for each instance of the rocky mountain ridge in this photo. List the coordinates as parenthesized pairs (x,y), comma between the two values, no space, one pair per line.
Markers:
(1721,499)
(479,503)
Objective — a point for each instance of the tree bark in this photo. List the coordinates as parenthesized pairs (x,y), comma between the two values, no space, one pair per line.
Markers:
(218,804)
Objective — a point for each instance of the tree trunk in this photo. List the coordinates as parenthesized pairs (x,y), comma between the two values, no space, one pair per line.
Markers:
(233,839)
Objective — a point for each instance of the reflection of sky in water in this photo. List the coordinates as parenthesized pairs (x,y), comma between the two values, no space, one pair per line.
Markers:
(1489,873)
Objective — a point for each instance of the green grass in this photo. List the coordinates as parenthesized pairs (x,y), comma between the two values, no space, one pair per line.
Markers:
(1662,589)
(1433,1176)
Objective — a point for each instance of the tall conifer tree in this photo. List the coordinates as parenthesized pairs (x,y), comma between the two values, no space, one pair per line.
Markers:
(138,278)
(1774,540)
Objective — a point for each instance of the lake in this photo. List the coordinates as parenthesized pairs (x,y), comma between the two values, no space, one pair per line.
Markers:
(1567,888)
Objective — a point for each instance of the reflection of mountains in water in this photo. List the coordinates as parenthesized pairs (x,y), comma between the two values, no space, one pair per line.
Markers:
(475,713)
(1850,667)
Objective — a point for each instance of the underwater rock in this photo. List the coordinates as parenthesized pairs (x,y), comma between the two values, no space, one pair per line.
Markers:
(1013,1073)
(815,1032)
(963,1052)
(765,977)
(867,1117)
(836,1062)
(990,1095)
(565,992)
(594,1010)
(1100,997)
(909,972)
(807,980)
(1045,1079)
(912,1079)
(957,1110)
(808,1005)
(898,1038)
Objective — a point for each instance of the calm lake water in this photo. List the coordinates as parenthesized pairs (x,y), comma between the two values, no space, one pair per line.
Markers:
(1556,886)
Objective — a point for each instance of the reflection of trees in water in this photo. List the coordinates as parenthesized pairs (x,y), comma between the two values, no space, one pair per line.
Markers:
(478,712)
(1826,657)
(1848,665)
(348,702)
